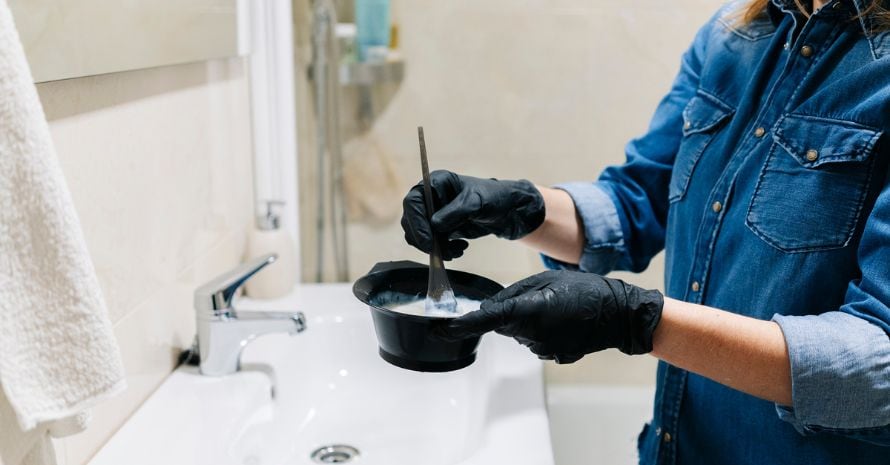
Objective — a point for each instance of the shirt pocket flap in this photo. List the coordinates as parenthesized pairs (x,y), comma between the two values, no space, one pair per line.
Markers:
(703,113)
(814,141)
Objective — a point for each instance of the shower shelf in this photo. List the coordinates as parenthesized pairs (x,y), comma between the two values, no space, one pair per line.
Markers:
(366,74)
(371,73)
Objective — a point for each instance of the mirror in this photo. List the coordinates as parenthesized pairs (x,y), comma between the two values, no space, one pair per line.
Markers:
(74,38)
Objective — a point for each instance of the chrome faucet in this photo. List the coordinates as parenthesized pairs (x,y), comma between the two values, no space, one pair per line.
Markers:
(223,332)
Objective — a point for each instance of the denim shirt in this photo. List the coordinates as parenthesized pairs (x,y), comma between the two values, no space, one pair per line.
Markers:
(764,176)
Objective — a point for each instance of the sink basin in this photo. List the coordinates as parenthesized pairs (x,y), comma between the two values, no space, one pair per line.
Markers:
(328,387)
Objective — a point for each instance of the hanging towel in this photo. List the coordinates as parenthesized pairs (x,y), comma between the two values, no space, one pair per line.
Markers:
(16,445)
(58,355)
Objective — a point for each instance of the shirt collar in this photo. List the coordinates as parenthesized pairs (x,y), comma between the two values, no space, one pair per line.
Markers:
(777,9)
(861,5)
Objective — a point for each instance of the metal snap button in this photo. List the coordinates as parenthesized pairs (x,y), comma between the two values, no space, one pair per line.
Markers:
(812,155)
(806,51)
(687,125)
(717,206)
(759,132)
(696,286)
(667,437)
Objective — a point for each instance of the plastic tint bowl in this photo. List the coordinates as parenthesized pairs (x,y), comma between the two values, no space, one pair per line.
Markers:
(407,341)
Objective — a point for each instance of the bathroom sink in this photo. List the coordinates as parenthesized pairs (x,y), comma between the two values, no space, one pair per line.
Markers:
(334,396)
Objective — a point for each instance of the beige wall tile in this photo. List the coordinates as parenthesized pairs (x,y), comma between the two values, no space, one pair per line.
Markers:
(604,368)
(115,36)
(159,169)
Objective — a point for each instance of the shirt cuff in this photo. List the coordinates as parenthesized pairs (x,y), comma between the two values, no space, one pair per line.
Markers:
(840,372)
(603,237)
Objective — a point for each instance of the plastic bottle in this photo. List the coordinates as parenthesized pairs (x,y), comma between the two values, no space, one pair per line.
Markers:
(279,278)
(373,23)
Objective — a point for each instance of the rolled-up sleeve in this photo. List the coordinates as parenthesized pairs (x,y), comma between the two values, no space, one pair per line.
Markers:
(840,360)
(603,238)
(840,372)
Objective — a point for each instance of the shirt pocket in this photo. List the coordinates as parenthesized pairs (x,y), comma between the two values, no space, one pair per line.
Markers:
(812,188)
(703,117)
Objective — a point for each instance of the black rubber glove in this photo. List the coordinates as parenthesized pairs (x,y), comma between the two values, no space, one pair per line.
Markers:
(467,208)
(565,315)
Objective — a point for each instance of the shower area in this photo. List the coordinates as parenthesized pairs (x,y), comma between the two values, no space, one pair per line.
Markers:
(346,78)
(546,91)
(451,67)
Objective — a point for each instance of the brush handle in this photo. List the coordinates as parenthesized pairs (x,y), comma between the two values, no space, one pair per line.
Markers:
(439,288)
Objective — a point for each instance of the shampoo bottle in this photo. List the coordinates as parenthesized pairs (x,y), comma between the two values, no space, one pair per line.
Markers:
(279,278)
(373,23)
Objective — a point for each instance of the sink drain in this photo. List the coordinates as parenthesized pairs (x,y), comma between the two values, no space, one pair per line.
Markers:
(337,453)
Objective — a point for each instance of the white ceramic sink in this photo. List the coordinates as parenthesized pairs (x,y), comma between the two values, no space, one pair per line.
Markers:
(331,387)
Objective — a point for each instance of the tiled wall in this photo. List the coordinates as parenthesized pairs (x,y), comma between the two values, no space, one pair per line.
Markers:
(548,90)
(159,165)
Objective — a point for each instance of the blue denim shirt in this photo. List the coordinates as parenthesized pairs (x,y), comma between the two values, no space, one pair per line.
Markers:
(764,176)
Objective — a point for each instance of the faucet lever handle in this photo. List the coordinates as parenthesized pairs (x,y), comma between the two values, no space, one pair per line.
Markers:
(218,293)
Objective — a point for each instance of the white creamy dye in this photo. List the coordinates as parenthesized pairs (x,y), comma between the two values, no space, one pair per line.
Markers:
(416,305)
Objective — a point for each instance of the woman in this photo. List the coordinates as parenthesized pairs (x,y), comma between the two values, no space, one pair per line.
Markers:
(764,175)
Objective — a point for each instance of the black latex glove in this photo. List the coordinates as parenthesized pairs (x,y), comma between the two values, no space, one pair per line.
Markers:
(565,315)
(467,208)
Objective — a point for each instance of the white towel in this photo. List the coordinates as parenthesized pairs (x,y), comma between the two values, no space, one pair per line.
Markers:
(58,355)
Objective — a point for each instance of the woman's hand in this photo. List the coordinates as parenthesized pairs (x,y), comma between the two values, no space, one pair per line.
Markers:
(467,208)
(564,315)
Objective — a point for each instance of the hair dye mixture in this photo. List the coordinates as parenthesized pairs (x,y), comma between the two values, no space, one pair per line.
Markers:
(410,304)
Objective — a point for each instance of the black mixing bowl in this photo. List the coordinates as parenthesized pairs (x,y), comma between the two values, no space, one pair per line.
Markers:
(407,341)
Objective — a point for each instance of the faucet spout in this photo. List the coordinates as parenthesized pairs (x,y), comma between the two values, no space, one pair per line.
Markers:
(221,342)
(259,323)
(223,332)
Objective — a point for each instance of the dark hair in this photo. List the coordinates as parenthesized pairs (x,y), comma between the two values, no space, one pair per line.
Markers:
(876,12)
